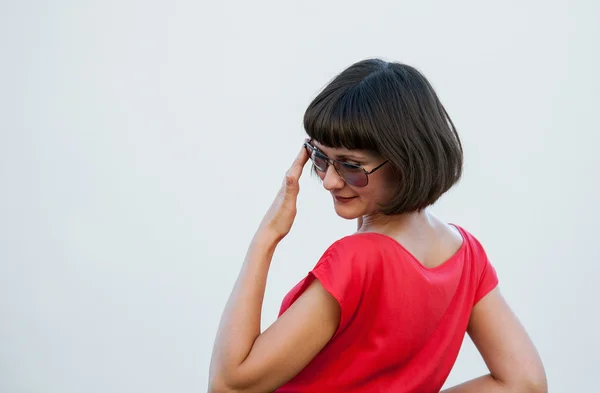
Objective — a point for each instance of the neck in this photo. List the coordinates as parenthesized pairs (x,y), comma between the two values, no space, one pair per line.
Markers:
(380,223)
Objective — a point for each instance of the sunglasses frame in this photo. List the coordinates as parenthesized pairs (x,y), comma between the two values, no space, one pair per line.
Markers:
(330,161)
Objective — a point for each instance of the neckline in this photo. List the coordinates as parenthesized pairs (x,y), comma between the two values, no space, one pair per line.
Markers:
(447,262)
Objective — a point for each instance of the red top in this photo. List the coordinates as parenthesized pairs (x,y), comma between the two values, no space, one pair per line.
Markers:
(401,324)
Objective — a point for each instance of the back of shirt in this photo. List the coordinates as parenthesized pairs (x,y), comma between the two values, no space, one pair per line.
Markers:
(401,324)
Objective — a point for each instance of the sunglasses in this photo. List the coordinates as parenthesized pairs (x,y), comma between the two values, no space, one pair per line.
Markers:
(352,174)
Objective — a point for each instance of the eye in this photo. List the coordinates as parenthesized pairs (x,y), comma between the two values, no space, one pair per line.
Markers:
(320,155)
(349,160)
(348,166)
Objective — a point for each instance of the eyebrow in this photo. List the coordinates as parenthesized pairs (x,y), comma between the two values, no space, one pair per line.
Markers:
(344,156)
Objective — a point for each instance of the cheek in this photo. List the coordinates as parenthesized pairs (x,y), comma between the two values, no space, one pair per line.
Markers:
(387,194)
(368,194)
(382,189)
(319,173)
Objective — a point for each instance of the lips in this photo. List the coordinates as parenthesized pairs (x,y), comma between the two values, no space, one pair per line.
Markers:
(343,199)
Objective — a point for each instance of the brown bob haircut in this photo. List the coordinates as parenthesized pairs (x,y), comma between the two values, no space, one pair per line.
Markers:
(391,109)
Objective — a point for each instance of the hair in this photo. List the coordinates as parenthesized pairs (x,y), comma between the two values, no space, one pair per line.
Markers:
(391,109)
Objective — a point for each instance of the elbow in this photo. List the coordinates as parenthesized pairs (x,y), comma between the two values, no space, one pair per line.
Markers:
(537,384)
(218,389)
(525,379)
(219,383)
(219,386)
(537,381)
(532,381)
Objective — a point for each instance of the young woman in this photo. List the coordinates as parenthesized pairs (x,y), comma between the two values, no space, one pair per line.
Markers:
(385,309)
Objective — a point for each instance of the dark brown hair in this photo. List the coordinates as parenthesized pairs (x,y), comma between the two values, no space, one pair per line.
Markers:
(391,109)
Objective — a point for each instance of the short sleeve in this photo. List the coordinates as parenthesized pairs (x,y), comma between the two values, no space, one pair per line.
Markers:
(485,278)
(488,279)
(341,271)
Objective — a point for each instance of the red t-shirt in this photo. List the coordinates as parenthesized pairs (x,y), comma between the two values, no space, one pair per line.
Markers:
(401,325)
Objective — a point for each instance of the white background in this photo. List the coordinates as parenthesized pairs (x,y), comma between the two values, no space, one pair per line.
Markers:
(141,143)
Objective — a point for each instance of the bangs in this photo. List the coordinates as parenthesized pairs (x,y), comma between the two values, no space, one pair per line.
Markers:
(341,119)
(391,109)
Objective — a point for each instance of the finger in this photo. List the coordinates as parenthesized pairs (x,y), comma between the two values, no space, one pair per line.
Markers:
(296,169)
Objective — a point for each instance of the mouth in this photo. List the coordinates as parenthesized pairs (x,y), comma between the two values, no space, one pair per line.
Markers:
(343,199)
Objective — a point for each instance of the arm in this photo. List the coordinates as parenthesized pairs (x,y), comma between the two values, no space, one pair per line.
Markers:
(509,354)
(243,359)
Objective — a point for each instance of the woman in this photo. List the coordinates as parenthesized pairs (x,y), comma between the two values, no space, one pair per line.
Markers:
(384,309)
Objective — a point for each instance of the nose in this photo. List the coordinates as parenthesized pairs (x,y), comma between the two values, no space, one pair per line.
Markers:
(332,181)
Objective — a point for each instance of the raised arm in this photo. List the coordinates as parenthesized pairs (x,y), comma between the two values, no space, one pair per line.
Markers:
(507,350)
(244,360)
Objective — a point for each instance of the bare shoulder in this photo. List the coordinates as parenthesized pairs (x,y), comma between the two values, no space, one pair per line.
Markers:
(453,232)
(452,236)
(448,235)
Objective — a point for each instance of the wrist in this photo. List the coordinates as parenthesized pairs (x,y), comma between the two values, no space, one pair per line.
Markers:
(266,239)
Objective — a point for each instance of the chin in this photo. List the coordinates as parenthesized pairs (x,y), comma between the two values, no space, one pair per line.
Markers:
(347,213)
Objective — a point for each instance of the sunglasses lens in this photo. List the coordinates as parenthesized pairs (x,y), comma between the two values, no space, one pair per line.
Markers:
(319,161)
(353,175)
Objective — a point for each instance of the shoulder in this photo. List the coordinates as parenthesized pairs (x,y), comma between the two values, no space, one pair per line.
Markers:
(485,272)
(472,242)
(357,246)
(354,255)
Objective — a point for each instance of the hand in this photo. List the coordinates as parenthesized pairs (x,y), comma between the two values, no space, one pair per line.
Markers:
(280,216)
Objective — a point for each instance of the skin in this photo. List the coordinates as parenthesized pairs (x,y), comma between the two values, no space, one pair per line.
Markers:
(246,360)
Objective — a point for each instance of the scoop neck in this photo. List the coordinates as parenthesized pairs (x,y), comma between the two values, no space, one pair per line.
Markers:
(442,265)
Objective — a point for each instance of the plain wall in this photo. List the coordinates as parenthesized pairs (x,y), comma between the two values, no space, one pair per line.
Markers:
(142,142)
